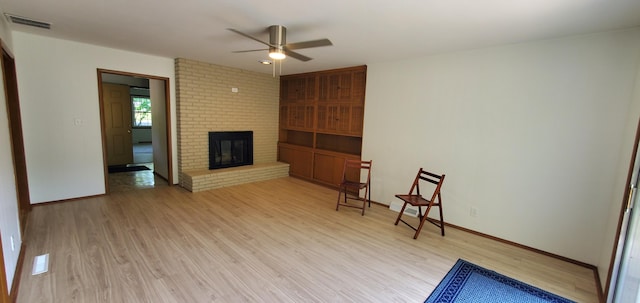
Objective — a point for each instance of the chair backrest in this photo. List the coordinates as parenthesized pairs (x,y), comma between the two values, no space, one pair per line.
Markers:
(426,176)
(353,168)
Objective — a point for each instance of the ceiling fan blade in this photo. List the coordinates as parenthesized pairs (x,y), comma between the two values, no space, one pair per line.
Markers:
(309,44)
(248,36)
(295,55)
(250,50)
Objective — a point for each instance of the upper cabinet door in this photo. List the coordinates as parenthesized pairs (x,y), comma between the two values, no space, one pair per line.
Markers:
(359,86)
(297,88)
(336,86)
(343,86)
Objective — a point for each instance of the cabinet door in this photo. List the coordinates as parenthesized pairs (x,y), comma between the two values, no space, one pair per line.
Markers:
(300,89)
(334,118)
(299,161)
(309,112)
(333,115)
(284,90)
(359,85)
(322,118)
(344,118)
(292,89)
(344,86)
(335,86)
(328,169)
(301,116)
(356,120)
(295,111)
(310,89)
(284,116)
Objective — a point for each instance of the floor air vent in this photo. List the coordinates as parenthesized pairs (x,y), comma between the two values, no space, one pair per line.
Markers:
(28,22)
(409,210)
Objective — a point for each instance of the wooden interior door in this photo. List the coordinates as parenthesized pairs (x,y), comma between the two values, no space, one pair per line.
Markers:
(117,111)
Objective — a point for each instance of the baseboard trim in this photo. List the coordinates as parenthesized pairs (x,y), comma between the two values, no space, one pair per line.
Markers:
(15,285)
(66,200)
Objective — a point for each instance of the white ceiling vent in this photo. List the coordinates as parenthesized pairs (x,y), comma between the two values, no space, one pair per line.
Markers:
(26,21)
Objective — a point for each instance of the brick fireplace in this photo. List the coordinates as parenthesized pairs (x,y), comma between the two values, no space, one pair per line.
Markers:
(206,103)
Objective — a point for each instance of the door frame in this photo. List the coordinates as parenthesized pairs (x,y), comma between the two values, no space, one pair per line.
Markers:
(15,133)
(4,291)
(167,109)
(619,242)
(23,200)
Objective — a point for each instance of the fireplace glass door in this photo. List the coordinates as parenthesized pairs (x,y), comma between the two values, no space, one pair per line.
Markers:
(230,149)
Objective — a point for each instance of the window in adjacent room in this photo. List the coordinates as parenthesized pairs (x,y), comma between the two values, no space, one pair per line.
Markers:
(141,106)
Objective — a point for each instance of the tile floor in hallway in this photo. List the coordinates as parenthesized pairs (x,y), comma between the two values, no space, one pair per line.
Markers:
(126,181)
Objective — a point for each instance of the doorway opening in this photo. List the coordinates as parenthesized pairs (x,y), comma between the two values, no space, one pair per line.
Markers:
(134,111)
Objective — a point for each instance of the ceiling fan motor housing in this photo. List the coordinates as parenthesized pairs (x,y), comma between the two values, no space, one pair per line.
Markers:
(277,36)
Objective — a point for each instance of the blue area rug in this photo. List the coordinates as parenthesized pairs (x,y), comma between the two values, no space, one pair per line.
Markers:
(467,282)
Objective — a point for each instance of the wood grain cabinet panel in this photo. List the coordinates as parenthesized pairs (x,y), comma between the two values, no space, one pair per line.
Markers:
(284,116)
(310,88)
(300,161)
(359,87)
(336,86)
(356,122)
(328,168)
(300,117)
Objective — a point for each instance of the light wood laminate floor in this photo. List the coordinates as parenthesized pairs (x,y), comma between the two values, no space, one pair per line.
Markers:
(274,241)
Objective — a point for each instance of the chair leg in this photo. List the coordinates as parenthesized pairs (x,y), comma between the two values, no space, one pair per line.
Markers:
(441,219)
(422,219)
(364,200)
(339,193)
(400,213)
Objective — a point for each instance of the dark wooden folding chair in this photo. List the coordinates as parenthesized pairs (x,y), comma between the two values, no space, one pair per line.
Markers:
(415,198)
(352,184)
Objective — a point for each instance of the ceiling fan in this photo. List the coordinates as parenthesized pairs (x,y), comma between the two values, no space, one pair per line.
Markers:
(278,46)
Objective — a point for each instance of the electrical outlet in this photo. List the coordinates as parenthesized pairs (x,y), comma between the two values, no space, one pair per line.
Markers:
(473,212)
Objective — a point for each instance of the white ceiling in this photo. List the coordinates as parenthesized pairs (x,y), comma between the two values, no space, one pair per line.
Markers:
(362,31)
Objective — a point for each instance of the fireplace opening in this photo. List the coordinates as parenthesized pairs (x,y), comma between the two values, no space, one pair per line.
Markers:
(230,149)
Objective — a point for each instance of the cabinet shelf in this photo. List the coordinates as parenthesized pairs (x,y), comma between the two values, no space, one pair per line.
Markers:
(295,137)
(338,143)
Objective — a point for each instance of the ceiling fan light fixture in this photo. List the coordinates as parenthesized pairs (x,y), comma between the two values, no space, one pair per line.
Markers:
(276,53)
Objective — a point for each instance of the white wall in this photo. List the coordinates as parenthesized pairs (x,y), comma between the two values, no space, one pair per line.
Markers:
(9,222)
(529,134)
(58,86)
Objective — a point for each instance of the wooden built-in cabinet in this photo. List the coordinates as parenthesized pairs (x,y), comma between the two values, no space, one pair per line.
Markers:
(321,120)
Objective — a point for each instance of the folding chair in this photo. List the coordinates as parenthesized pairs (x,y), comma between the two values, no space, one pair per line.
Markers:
(415,198)
(351,184)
